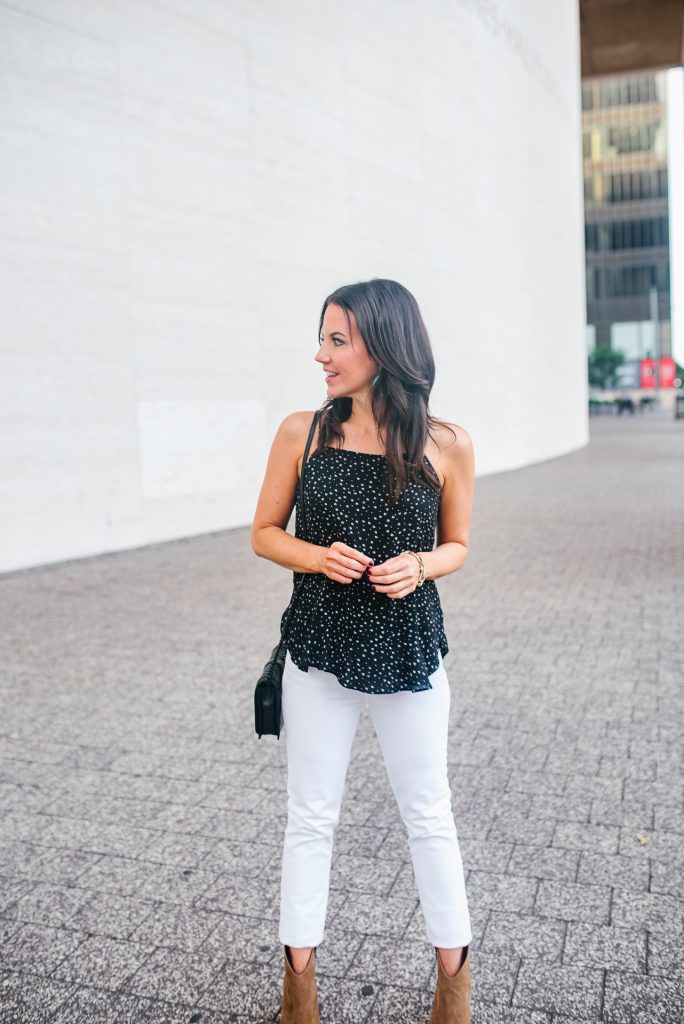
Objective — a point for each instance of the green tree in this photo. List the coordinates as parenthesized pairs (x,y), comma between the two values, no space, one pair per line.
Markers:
(603,362)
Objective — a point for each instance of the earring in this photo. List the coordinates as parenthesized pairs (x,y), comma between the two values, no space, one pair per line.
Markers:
(376,378)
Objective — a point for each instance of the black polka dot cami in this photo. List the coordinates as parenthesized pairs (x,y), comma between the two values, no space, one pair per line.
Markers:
(371,642)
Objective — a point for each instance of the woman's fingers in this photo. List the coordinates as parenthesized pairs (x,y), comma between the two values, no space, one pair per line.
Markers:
(344,564)
(344,579)
(351,562)
(394,576)
(347,566)
(344,569)
(396,591)
(391,590)
(387,577)
(358,558)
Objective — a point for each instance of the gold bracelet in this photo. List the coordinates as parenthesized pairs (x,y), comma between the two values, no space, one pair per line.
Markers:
(421,563)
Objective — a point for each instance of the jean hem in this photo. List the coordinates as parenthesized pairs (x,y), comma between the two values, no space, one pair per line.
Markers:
(299,944)
(453,943)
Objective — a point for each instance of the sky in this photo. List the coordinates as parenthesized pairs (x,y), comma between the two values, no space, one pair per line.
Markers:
(675,160)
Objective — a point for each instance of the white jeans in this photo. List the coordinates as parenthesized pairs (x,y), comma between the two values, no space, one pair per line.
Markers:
(320,718)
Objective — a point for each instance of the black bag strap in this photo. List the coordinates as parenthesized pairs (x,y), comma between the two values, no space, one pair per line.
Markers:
(300,585)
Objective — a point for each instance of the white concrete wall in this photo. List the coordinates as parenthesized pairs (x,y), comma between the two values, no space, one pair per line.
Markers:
(181,184)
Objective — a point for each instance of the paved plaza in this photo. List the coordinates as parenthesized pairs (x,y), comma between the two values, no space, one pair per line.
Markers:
(141,819)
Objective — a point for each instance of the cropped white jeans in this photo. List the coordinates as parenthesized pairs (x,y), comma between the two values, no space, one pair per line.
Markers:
(320,717)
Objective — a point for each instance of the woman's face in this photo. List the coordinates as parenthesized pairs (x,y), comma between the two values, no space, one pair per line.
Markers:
(347,357)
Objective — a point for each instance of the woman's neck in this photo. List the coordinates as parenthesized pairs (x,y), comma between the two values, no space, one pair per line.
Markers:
(361,422)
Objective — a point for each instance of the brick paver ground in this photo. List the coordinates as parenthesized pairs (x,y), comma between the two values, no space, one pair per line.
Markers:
(142,820)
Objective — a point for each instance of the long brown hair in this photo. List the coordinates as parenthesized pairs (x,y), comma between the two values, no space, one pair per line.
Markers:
(390,323)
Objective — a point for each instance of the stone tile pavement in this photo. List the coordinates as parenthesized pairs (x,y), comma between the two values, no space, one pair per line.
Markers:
(141,820)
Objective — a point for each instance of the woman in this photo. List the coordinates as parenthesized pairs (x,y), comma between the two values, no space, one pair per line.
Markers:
(382,474)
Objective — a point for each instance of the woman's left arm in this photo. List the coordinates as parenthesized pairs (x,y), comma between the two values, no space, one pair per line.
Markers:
(457,462)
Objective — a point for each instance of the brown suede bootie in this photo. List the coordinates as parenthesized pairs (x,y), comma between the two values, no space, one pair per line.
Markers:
(300,996)
(452,995)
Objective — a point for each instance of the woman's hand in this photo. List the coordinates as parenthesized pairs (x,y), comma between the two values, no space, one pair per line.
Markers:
(397,577)
(342,563)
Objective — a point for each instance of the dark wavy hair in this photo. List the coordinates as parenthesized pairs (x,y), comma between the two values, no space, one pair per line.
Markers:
(390,323)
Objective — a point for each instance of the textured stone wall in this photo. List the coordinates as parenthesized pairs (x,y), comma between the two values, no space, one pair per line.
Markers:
(182,184)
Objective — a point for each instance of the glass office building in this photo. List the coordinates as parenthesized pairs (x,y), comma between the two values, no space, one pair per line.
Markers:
(624,122)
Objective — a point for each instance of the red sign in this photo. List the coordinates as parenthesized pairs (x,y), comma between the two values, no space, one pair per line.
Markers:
(647,372)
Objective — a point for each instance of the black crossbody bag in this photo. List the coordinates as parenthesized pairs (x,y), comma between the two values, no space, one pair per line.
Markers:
(269,688)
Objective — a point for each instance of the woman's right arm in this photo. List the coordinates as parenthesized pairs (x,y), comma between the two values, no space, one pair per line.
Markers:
(274,508)
(277,499)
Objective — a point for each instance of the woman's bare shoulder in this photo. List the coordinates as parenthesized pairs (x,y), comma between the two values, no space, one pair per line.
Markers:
(453,450)
(292,434)
(296,425)
(451,436)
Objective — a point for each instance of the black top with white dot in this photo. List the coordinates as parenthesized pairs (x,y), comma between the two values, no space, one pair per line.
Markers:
(371,642)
